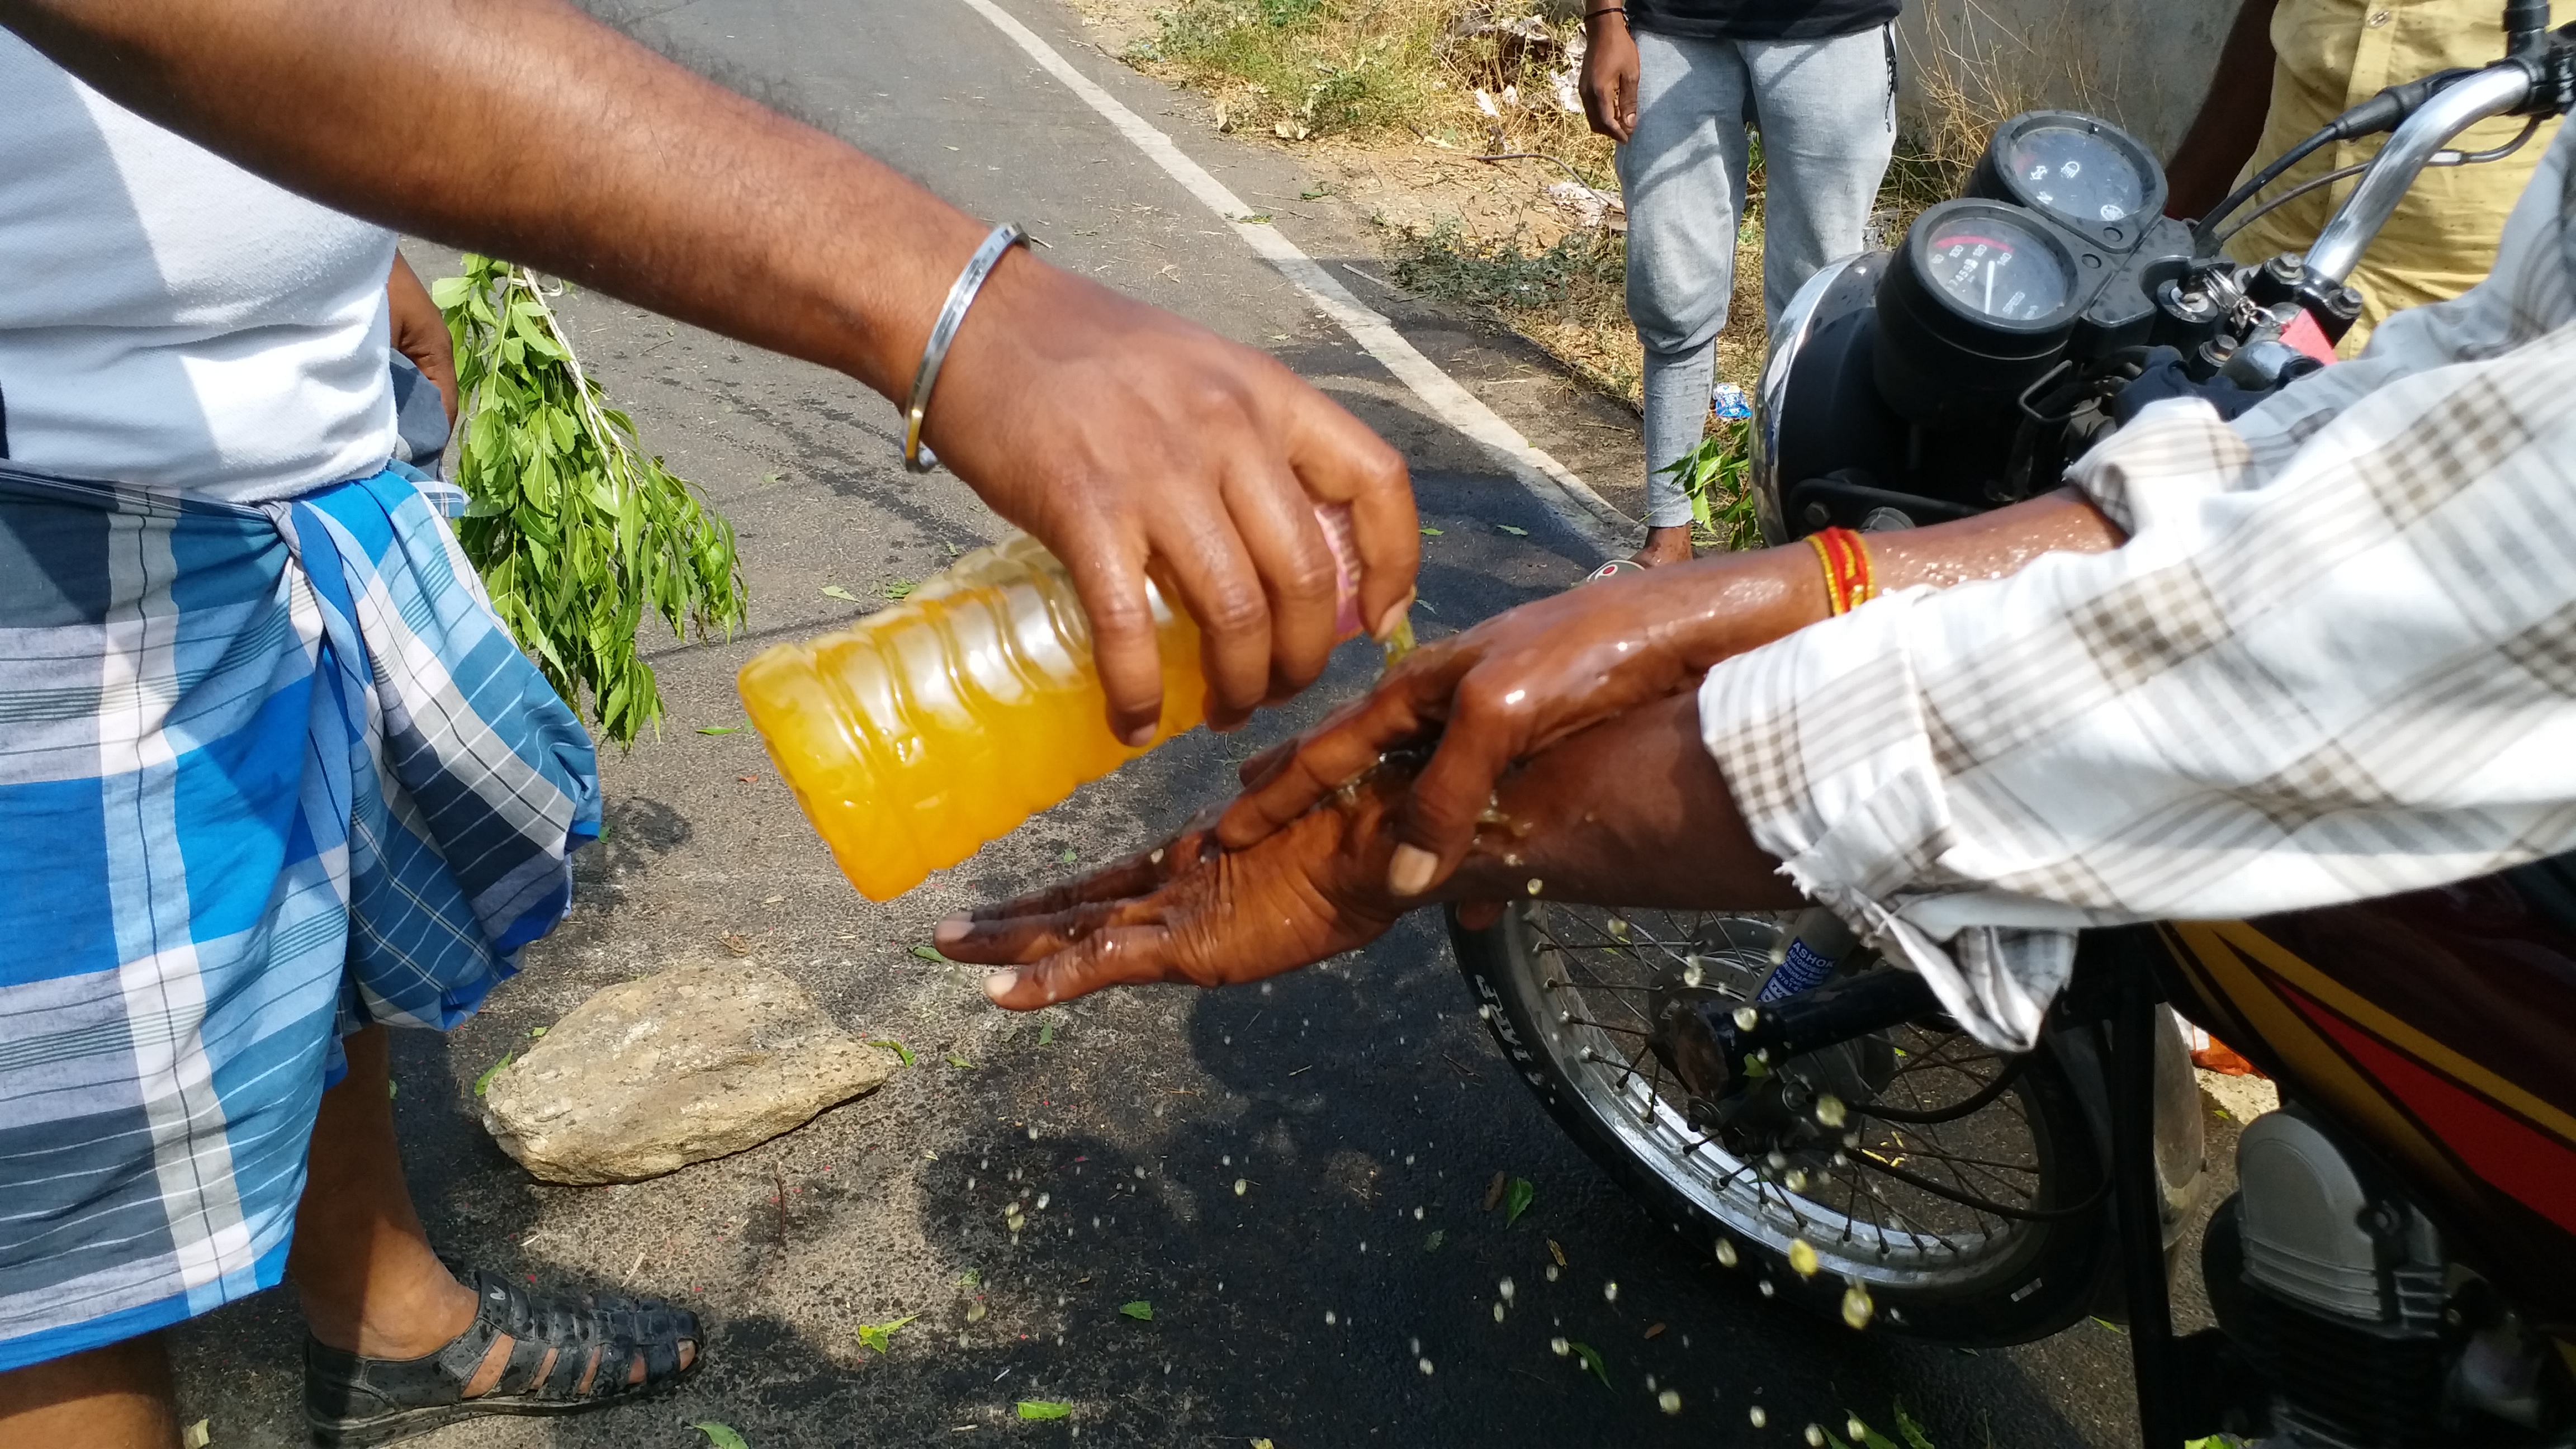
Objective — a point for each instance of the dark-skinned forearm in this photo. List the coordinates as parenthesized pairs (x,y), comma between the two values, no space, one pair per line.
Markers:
(526,129)
(2231,118)
(1752,599)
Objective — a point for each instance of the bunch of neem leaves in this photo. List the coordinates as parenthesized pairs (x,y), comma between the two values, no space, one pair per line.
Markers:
(574,528)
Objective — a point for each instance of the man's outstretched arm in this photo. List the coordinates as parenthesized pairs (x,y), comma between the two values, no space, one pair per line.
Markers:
(1117,433)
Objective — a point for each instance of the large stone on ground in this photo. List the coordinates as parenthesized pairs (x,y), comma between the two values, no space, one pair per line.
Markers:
(652,1075)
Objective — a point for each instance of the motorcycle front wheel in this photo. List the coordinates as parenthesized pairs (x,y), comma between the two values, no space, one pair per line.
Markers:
(1940,1190)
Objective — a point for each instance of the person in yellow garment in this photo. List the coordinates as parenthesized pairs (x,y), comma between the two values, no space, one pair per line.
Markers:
(2288,68)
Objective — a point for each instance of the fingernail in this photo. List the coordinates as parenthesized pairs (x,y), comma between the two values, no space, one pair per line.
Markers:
(952,930)
(1388,622)
(998,984)
(1409,873)
(1141,736)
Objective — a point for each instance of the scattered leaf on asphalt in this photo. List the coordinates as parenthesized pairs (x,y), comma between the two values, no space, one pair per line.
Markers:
(1429,532)
(1140,1310)
(1514,532)
(1046,1034)
(900,1050)
(719,729)
(1494,1192)
(955,1060)
(1432,1243)
(879,1335)
(1517,1199)
(1591,1359)
(536,1031)
(197,1435)
(393,1089)
(835,591)
(1654,1330)
(1070,855)
(722,1436)
(931,953)
(1264,1443)
(972,1277)
(1869,1438)
(1557,1253)
(1912,1431)
(1258,216)
(1045,1409)
(900,589)
(483,1083)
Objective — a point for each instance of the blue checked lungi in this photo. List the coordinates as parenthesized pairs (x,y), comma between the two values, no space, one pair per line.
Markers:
(266,772)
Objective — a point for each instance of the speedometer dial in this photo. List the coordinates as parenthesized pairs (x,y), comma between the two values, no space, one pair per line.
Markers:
(1993,266)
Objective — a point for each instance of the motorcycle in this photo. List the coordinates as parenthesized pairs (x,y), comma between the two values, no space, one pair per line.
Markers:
(2397,1267)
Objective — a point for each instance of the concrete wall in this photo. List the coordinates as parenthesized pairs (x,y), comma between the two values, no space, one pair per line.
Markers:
(2142,64)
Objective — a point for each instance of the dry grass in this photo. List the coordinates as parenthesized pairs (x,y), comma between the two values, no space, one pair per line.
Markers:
(1386,94)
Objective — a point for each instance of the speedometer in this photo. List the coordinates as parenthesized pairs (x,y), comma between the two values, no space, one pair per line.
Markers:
(1997,267)
(1978,301)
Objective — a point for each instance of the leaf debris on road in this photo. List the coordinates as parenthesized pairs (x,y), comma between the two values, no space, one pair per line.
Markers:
(1045,1409)
(900,1050)
(1557,1253)
(880,1336)
(1591,1359)
(1140,1310)
(1514,531)
(1517,1200)
(719,729)
(483,1083)
(835,591)
(722,1436)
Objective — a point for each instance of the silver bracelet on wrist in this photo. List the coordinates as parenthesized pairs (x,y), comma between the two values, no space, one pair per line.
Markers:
(917,456)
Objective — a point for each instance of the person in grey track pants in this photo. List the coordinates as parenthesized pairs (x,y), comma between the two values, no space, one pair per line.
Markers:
(1680,84)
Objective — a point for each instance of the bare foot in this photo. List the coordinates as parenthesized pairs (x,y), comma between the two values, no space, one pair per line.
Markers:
(1665,546)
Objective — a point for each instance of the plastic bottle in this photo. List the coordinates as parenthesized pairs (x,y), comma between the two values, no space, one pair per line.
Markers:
(1818,944)
(926,729)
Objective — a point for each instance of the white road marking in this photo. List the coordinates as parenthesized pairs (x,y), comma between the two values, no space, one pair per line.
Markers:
(1551,482)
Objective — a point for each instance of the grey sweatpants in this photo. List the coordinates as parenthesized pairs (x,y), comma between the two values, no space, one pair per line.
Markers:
(1827,113)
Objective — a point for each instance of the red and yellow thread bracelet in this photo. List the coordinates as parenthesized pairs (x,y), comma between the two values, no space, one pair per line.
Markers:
(1850,580)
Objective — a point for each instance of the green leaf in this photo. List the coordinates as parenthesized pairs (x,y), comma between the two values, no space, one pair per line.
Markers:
(1872,1439)
(1045,1409)
(1515,532)
(959,1062)
(1140,1310)
(1257,218)
(880,1335)
(1070,855)
(1046,1034)
(1592,1360)
(900,589)
(539,1030)
(719,729)
(722,1436)
(483,1083)
(1432,1243)
(449,292)
(1429,532)
(900,1050)
(1912,1431)
(972,1277)
(1517,1199)
(931,953)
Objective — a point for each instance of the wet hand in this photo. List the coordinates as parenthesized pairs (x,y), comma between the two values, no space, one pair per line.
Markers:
(1133,442)
(1191,911)
(1505,690)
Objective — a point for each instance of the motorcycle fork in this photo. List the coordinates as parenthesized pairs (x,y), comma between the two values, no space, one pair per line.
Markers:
(2134,1006)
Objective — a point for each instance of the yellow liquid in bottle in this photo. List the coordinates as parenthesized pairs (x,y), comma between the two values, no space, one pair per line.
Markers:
(926,729)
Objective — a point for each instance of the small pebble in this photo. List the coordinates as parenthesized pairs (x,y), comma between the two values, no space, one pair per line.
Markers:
(1328,1318)
(1669,1401)
(1507,1290)
(1767,1289)
(1551,1272)
(1033,1134)
(1226,1161)
(1726,1252)
(1424,1365)
(1415,1344)
(1559,1347)
(1240,1187)
(1609,1292)
(1042,1199)
(1498,1313)
(1417,1215)
(1759,1418)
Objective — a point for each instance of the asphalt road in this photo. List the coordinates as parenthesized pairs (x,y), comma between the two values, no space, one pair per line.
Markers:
(1359,1104)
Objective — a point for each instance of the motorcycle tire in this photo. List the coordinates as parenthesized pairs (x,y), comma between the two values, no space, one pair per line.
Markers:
(2018,1280)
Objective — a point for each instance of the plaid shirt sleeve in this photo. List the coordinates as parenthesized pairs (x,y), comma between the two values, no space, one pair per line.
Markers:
(2336,659)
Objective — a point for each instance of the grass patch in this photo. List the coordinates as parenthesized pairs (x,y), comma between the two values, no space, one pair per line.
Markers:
(1569,296)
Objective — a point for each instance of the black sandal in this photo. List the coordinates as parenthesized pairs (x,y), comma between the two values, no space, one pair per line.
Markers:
(566,1355)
